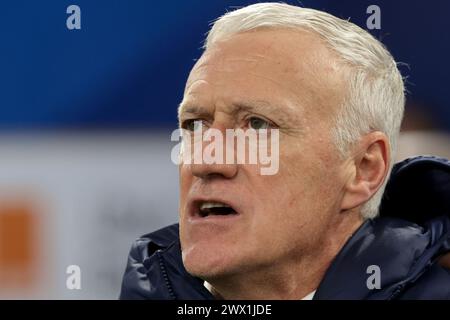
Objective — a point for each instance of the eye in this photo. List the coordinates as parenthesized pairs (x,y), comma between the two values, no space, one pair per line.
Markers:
(192,124)
(258,123)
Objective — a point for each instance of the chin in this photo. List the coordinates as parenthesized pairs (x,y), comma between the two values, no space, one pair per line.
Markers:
(207,263)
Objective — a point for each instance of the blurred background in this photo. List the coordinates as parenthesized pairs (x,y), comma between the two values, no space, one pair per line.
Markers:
(86,117)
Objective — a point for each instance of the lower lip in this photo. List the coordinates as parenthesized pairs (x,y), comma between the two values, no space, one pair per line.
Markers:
(215,219)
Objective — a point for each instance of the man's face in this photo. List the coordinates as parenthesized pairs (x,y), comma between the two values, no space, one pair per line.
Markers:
(287,80)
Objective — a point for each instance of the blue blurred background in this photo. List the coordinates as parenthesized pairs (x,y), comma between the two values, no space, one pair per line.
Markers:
(127,66)
(86,117)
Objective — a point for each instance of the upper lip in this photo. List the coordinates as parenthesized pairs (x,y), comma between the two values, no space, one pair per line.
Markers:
(195,202)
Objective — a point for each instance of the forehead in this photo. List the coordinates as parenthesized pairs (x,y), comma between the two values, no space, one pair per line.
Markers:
(283,66)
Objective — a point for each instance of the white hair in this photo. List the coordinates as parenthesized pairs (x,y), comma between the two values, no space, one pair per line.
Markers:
(375,100)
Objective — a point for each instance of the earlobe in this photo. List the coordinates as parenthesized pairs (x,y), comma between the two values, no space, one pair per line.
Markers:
(369,167)
(357,192)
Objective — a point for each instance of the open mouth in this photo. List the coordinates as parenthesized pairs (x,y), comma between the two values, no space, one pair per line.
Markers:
(210,208)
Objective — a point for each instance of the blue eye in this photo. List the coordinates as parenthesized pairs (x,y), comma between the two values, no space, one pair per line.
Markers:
(258,123)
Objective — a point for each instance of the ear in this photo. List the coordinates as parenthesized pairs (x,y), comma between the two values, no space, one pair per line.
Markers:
(367,170)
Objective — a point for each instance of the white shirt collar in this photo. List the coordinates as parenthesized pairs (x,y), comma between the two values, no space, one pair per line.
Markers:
(309,296)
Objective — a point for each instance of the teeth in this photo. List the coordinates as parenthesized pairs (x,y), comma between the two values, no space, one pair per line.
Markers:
(209,205)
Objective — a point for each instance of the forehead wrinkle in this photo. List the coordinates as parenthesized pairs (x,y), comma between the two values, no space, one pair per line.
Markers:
(260,106)
(249,104)
(224,64)
(218,60)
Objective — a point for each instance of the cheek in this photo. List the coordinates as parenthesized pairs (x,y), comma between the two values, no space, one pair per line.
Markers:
(308,176)
(185,183)
(295,204)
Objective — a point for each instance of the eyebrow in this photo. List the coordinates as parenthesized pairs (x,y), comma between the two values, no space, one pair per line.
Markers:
(248,106)
(192,109)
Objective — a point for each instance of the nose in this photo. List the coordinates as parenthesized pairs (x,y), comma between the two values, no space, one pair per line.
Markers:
(207,171)
(217,165)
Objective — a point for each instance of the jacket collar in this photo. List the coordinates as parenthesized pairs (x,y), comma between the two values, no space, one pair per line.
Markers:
(401,250)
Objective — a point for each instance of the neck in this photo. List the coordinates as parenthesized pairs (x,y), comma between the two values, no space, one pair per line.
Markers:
(292,279)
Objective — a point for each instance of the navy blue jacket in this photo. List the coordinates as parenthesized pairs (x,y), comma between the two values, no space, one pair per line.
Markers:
(405,241)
